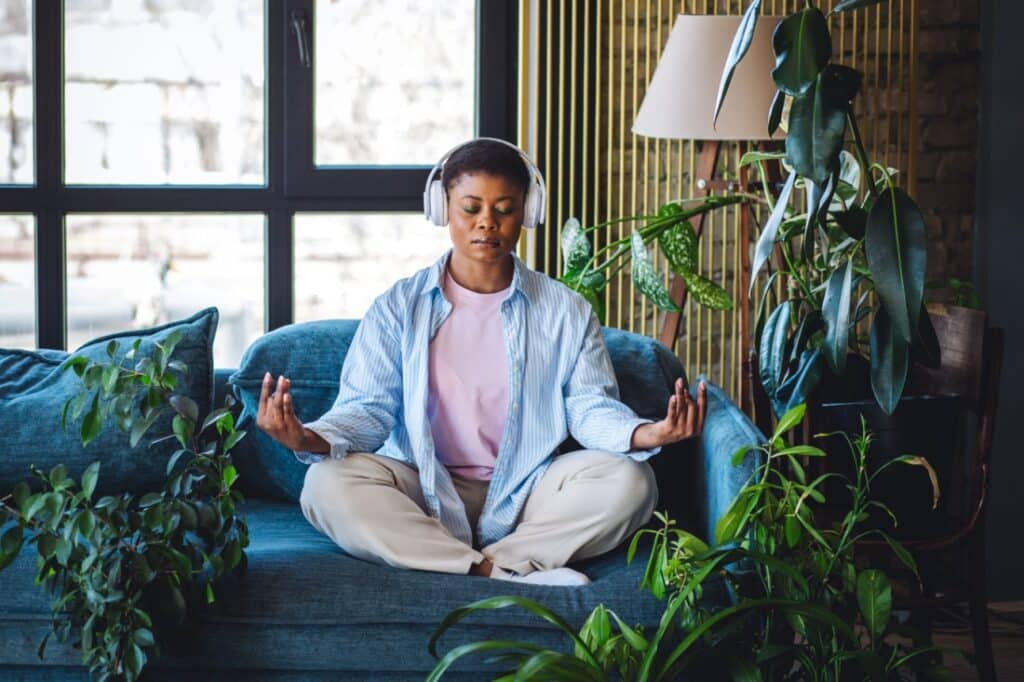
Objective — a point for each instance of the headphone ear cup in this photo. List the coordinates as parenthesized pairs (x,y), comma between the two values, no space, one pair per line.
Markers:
(530,207)
(535,200)
(438,206)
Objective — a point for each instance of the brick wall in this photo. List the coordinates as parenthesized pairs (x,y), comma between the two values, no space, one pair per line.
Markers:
(948,107)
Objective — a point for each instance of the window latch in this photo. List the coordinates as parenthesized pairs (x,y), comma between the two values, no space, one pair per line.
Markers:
(300,26)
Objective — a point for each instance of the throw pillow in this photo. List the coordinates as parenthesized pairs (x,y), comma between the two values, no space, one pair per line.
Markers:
(34,388)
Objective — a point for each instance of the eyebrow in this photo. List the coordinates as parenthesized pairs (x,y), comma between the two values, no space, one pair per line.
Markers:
(473,196)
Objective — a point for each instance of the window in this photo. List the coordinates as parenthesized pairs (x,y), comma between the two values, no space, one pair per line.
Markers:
(264,157)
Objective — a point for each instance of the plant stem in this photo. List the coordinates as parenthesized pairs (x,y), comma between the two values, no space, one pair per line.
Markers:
(861,152)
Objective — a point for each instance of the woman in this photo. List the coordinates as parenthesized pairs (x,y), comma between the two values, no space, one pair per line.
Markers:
(440,452)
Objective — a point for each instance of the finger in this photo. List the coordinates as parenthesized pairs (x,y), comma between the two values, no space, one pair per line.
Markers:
(691,416)
(289,408)
(673,409)
(265,392)
(702,406)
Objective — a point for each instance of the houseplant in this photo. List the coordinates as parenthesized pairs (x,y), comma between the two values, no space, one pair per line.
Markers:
(126,570)
(588,271)
(847,236)
(804,610)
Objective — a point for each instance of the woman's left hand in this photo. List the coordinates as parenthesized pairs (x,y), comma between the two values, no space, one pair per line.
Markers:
(685,419)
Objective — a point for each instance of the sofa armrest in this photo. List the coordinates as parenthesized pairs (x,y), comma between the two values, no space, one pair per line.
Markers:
(726,429)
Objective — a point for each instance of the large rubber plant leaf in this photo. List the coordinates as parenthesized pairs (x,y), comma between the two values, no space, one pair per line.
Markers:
(803,47)
(817,123)
(706,292)
(847,5)
(801,383)
(766,241)
(740,44)
(773,348)
(890,355)
(835,308)
(575,247)
(926,349)
(896,246)
(646,277)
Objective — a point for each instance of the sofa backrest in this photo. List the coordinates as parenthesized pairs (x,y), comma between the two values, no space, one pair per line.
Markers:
(311,355)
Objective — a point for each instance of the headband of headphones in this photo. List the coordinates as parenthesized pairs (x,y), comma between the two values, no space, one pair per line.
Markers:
(435,204)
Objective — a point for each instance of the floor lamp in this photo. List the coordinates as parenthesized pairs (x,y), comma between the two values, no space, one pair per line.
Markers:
(679,104)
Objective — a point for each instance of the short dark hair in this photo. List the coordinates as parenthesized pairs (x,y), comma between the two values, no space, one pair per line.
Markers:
(486,156)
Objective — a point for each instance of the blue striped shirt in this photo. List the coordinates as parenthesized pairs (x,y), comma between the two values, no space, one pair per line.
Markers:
(560,382)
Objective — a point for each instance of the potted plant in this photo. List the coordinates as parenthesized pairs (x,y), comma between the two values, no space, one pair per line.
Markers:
(126,570)
(804,608)
(854,253)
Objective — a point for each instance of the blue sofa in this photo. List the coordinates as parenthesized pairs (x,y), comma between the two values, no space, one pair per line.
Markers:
(305,610)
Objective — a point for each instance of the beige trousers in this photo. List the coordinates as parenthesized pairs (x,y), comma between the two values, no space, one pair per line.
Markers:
(585,504)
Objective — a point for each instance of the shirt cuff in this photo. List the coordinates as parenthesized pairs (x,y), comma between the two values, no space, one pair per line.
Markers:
(638,455)
(339,445)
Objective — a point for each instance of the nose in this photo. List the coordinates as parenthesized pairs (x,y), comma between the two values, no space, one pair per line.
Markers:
(487,219)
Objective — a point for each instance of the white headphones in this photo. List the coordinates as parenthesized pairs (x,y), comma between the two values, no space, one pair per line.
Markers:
(435,203)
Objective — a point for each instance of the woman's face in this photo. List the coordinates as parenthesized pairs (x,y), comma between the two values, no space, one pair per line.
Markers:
(485,216)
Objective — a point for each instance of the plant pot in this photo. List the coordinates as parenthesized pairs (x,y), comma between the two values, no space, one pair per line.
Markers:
(927,426)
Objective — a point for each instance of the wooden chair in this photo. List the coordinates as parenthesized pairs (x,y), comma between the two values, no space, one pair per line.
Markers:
(972,356)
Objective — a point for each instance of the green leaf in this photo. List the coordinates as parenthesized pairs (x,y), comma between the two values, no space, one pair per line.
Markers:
(140,426)
(149,499)
(766,241)
(740,453)
(772,351)
(801,450)
(896,247)
(89,477)
(706,292)
(790,419)
(679,244)
(62,550)
(209,593)
(134,660)
(143,637)
(232,440)
(775,112)
(874,597)
(803,46)
(740,45)
(92,424)
(632,637)
(835,310)
(182,429)
(230,475)
(575,247)
(890,359)
(817,124)
(46,544)
(853,221)
(792,529)
(847,5)
(109,380)
(925,348)
(186,407)
(10,545)
(646,279)
(756,155)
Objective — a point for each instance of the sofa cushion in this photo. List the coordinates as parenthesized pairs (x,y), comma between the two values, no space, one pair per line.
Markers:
(34,388)
(311,355)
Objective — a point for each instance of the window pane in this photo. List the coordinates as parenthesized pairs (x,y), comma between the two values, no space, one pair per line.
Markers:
(132,271)
(344,261)
(17,281)
(166,92)
(394,80)
(17,164)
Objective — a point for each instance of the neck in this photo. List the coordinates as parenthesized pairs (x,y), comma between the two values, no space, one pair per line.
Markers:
(483,278)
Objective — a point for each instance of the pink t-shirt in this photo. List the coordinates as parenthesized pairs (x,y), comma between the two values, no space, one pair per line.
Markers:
(468,382)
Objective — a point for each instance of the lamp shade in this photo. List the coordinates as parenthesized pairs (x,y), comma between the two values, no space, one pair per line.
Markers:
(680,100)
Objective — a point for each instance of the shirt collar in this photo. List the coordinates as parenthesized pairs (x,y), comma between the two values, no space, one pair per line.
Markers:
(520,281)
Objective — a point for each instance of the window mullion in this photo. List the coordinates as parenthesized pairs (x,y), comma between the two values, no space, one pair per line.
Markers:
(49,120)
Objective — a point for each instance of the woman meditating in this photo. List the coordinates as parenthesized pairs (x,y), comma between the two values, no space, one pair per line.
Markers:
(441,450)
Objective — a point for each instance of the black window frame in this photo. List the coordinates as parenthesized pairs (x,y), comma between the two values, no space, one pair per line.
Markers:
(291,185)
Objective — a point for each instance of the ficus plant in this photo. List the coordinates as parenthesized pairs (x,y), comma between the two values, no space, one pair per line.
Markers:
(803,607)
(857,251)
(588,271)
(125,570)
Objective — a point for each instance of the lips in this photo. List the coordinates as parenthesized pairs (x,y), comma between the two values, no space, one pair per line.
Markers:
(487,242)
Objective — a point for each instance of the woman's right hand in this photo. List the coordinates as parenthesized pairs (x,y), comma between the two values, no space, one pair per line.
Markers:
(276,417)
